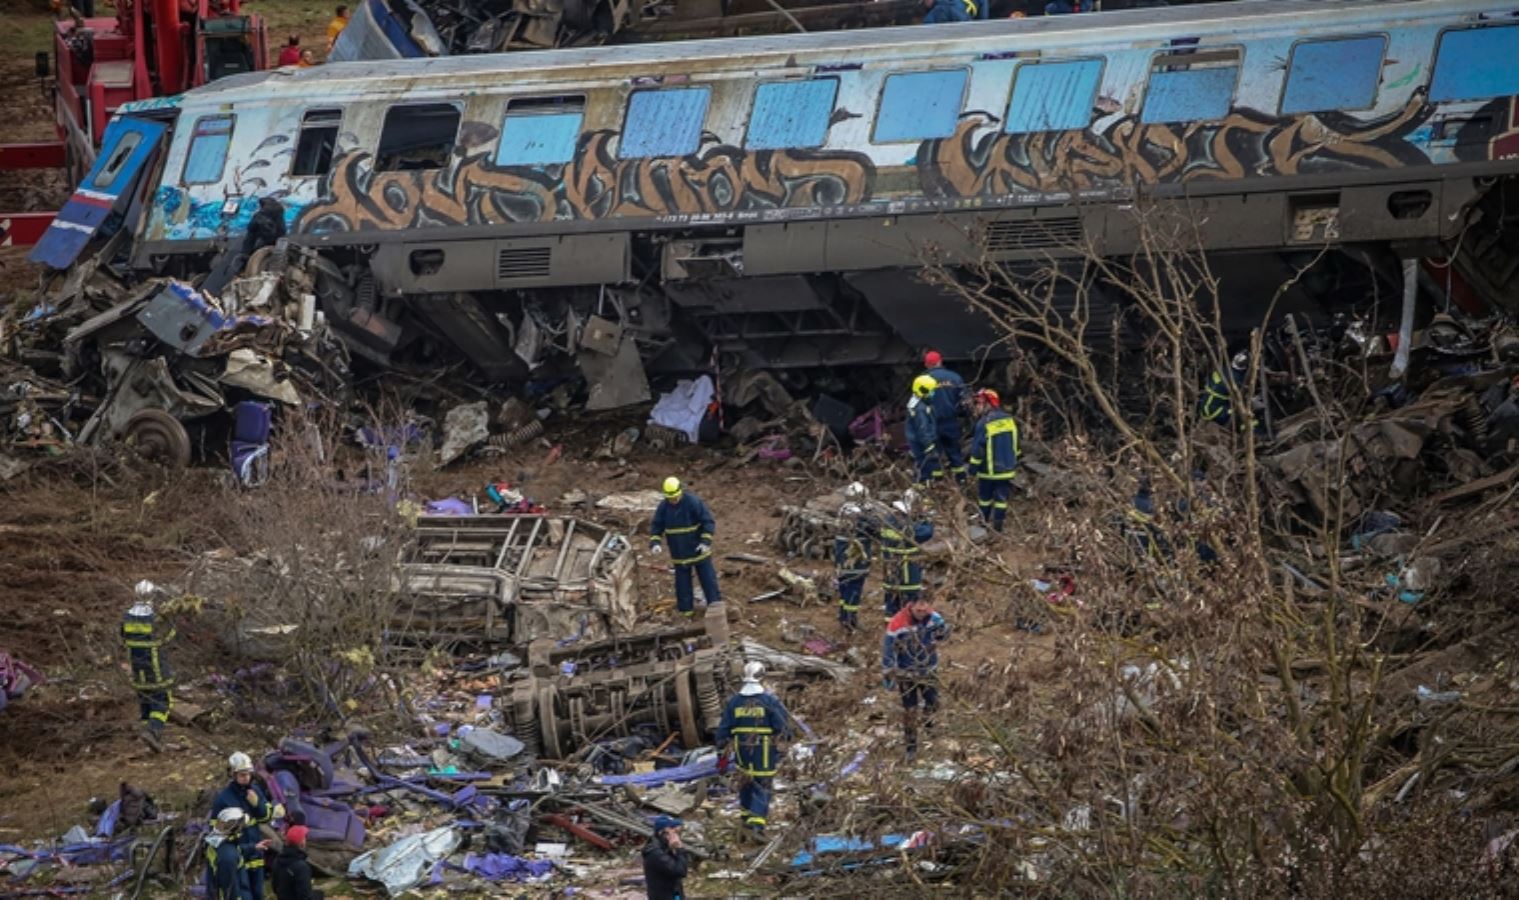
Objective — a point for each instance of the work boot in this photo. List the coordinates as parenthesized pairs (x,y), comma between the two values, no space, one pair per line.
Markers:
(152,738)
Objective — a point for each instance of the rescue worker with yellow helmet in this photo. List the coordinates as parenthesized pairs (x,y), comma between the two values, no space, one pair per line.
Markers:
(923,430)
(683,522)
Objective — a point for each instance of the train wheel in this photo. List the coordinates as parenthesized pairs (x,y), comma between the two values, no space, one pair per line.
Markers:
(159,437)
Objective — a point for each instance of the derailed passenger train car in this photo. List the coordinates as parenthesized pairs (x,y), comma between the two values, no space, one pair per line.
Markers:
(768,200)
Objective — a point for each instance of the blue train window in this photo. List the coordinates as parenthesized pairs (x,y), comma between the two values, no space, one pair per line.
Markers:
(664,123)
(208,149)
(1329,75)
(1475,64)
(1192,87)
(917,106)
(1054,96)
(540,131)
(791,114)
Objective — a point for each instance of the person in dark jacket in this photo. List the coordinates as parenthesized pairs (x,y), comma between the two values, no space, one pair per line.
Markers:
(688,525)
(948,394)
(941,11)
(292,873)
(753,722)
(922,430)
(245,793)
(665,861)
(902,534)
(226,878)
(852,552)
(994,456)
(145,636)
(910,664)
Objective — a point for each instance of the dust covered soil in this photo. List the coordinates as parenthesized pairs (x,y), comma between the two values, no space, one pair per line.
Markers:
(77,533)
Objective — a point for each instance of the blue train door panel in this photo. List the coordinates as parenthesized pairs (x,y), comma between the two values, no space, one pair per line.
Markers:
(128,147)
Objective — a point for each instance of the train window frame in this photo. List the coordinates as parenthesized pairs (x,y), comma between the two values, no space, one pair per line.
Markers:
(300,138)
(959,108)
(1292,59)
(195,137)
(1434,65)
(120,154)
(1210,59)
(541,106)
(1012,91)
(833,105)
(692,142)
(380,156)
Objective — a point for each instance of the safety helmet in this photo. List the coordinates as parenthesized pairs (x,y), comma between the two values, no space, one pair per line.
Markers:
(924,385)
(239,762)
(856,491)
(230,819)
(900,507)
(672,486)
(145,588)
(932,359)
(754,670)
(1241,360)
(990,396)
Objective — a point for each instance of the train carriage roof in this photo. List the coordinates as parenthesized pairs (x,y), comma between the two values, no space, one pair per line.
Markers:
(1314,18)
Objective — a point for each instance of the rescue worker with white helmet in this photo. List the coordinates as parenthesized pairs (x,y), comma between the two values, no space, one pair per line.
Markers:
(683,522)
(226,878)
(244,793)
(753,721)
(852,553)
(145,637)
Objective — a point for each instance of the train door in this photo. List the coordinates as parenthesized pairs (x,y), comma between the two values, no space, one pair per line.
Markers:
(128,148)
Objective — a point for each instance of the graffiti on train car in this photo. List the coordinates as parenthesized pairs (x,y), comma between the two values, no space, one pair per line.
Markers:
(717,179)
(980,160)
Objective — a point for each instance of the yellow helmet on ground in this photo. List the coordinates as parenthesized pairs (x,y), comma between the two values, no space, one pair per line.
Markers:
(924,385)
(672,486)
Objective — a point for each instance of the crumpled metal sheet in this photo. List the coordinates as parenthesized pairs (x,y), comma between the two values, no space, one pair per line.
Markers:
(402,865)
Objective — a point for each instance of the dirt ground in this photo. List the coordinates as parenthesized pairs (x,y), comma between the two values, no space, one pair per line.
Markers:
(72,544)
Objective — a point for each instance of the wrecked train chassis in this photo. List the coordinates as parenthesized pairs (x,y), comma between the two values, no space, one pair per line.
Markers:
(515,579)
(672,680)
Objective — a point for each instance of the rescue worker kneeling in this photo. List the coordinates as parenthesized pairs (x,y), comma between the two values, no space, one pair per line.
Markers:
(226,879)
(753,721)
(688,524)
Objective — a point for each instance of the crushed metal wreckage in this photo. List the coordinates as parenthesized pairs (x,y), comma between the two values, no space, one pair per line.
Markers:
(515,579)
(167,367)
(402,29)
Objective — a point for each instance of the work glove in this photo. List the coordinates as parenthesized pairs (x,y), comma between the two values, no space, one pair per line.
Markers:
(657,548)
(279,811)
(703,548)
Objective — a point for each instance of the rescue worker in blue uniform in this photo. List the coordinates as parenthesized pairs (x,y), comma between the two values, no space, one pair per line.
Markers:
(949,393)
(753,721)
(901,534)
(922,430)
(1143,529)
(244,793)
(1214,404)
(226,879)
(688,524)
(940,11)
(851,556)
(145,637)
(994,456)
(910,664)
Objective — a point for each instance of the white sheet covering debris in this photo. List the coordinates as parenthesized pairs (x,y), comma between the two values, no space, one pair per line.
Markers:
(682,409)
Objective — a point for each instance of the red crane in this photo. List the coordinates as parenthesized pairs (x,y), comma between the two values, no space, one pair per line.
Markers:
(150,48)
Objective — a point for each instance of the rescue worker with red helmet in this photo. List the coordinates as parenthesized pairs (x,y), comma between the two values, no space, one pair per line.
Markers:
(993,457)
(687,523)
(948,394)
